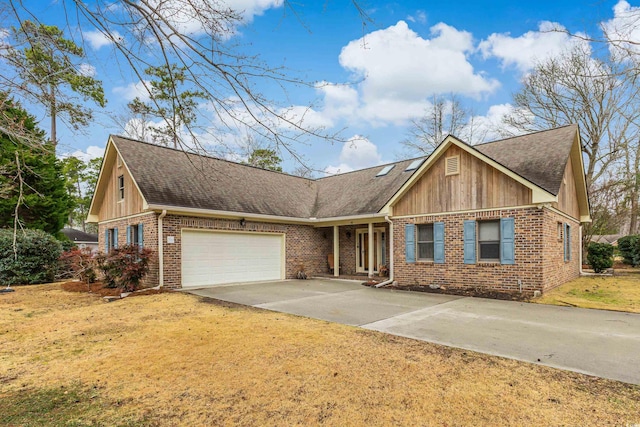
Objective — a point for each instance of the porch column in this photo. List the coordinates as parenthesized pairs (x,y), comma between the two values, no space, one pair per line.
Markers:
(336,251)
(370,250)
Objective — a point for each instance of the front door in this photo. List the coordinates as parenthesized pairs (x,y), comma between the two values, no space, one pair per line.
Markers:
(362,249)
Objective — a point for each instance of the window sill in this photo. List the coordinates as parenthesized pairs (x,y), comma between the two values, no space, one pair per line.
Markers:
(120,201)
(425,261)
(489,263)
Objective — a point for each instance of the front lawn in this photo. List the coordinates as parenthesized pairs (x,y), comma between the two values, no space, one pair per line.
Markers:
(620,292)
(175,359)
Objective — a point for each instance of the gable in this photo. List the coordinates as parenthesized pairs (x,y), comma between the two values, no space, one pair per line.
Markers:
(478,185)
(106,203)
(567,195)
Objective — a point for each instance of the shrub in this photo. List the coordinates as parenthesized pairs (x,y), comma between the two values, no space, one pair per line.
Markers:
(36,261)
(124,267)
(600,256)
(79,264)
(628,247)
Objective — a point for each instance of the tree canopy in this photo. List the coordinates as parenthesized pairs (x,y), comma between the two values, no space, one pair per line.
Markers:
(32,187)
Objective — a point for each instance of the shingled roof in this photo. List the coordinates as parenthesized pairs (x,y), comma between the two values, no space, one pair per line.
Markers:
(169,177)
(539,157)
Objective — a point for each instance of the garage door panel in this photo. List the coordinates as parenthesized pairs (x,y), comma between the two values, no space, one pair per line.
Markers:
(210,258)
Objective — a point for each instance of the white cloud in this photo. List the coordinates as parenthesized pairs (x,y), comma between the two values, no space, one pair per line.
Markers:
(357,153)
(623,30)
(133,90)
(92,152)
(525,51)
(98,39)
(420,17)
(399,70)
(87,70)
(490,127)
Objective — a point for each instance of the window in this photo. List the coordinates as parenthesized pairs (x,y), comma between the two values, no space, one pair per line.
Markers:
(425,242)
(385,170)
(110,239)
(489,240)
(121,187)
(135,234)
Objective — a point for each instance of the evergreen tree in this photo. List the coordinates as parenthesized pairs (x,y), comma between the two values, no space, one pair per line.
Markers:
(31,179)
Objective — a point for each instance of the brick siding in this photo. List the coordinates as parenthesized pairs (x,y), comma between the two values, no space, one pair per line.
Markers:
(539,262)
(150,240)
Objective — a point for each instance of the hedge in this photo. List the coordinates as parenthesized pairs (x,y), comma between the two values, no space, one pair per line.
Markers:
(36,261)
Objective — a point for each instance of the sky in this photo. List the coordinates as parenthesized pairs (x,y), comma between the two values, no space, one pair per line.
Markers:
(370,78)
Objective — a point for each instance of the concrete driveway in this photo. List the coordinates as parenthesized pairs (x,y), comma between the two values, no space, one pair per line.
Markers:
(595,342)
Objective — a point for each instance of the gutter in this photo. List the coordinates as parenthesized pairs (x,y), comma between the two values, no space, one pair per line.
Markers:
(160,249)
(390,280)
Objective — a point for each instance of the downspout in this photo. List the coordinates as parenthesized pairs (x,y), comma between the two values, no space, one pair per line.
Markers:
(390,280)
(160,249)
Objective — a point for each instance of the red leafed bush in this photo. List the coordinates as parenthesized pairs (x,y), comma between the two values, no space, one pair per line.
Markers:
(80,264)
(125,267)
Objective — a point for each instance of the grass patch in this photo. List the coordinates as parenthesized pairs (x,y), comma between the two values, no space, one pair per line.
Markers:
(172,359)
(61,406)
(620,292)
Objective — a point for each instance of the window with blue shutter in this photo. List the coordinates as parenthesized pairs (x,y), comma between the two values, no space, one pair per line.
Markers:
(106,240)
(469,242)
(128,234)
(410,243)
(507,241)
(115,237)
(438,242)
(140,235)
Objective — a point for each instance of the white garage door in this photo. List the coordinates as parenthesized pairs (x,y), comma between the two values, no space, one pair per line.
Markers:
(210,258)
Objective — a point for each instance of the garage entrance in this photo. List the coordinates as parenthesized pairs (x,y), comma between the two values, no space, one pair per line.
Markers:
(217,257)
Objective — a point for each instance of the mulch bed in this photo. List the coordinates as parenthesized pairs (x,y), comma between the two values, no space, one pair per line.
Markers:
(480,293)
(98,288)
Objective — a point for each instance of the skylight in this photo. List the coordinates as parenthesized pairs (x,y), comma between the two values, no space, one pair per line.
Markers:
(385,170)
(414,165)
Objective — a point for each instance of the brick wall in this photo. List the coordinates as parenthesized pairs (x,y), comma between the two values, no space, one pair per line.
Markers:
(539,263)
(150,241)
(305,245)
(556,270)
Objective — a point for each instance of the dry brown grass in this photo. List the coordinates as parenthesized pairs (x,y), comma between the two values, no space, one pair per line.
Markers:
(620,292)
(174,359)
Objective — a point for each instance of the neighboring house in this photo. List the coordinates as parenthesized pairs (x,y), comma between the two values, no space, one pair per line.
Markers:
(611,239)
(503,216)
(81,239)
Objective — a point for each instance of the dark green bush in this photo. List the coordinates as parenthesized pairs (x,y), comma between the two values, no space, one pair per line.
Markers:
(37,257)
(124,267)
(627,246)
(600,256)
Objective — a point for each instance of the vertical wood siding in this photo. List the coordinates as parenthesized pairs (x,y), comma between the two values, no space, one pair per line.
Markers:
(568,196)
(477,186)
(111,206)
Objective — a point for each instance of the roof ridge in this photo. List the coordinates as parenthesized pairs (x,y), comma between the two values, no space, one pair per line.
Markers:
(209,156)
(524,134)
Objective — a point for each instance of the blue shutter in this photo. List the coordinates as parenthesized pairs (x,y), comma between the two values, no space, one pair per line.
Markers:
(569,242)
(470,242)
(140,235)
(438,242)
(115,238)
(106,241)
(507,241)
(410,243)
(128,234)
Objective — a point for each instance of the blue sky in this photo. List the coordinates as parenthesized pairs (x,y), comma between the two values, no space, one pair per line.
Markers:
(393,65)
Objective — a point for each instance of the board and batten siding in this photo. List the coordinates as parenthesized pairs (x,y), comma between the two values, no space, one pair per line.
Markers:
(568,196)
(477,186)
(111,206)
